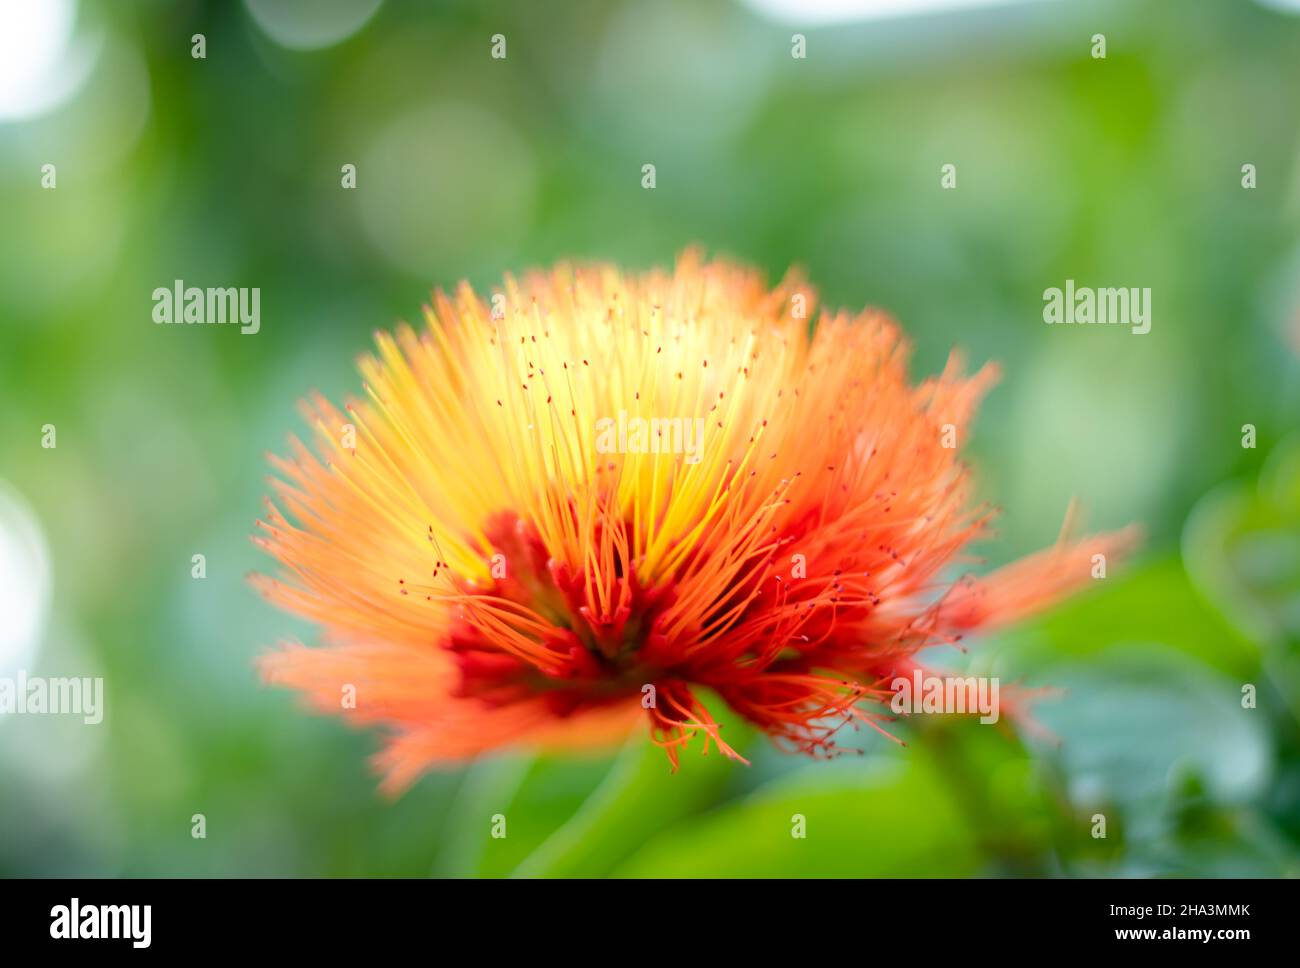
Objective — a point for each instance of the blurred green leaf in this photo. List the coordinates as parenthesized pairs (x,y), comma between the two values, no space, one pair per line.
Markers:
(640,797)
(1242,547)
(1139,721)
(998,785)
(887,817)
(1155,603)
(489,786)
(551,792)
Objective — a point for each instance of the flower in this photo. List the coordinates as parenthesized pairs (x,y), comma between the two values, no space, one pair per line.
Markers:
(573,506)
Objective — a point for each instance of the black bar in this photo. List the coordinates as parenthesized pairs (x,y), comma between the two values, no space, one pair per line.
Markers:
(963,918)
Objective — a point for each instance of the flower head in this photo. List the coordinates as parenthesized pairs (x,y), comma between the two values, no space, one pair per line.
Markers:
(573,506)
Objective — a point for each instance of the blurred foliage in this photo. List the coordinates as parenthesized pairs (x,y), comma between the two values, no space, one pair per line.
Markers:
(225,171)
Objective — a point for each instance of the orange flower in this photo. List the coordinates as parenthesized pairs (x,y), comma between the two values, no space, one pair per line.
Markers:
(566,509)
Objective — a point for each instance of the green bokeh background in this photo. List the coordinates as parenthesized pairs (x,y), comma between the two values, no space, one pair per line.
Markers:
(226,172)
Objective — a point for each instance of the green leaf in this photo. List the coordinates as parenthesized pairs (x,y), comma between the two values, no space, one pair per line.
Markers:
(1140,721)
(640,797)
(1156,603)
(487,787)
(552,790)
(886,816)
(1242,547)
